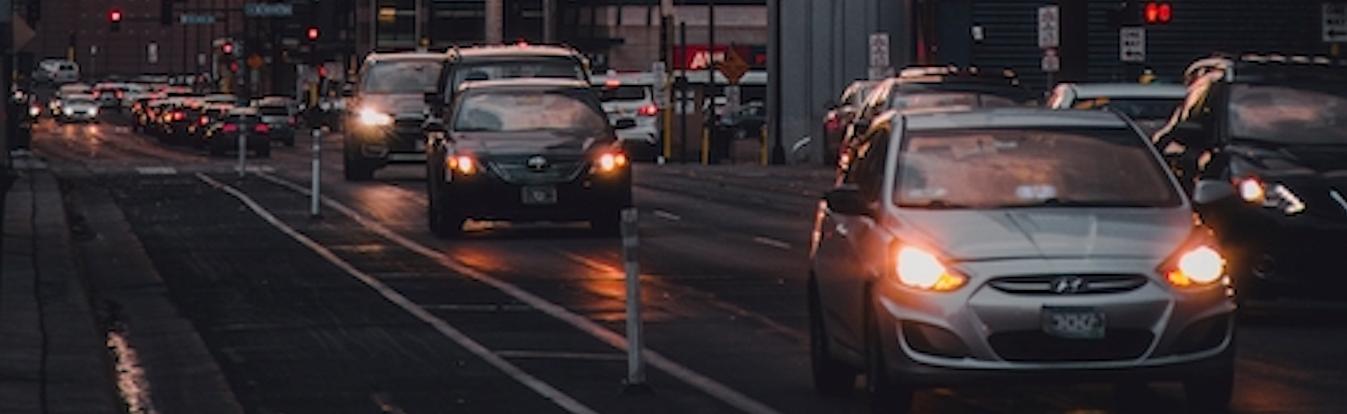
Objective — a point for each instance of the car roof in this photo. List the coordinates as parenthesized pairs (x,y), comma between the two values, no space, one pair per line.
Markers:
(1011,118)
(647,79)
(75,96)
(1128,90)
(525,83)
(379,57)
(513,50)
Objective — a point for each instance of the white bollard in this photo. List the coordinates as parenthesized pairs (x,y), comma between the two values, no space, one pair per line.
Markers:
(314,196)
(243,153)
(635,382)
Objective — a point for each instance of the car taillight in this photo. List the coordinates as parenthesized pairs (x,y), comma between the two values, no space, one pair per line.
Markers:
(178,116)
(261,128)
(230,128)
(294,120)
(648,110)
(203,121)
(832,123)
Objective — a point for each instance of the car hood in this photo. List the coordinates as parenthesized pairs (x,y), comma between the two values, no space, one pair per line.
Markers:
(395,104)
(1051,232)
(527,143)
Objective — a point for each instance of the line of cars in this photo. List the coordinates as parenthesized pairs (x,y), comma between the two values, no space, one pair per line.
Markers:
(972,238)
(510,132)
(215,122)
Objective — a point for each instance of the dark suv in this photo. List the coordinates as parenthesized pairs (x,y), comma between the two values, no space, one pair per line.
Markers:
(504,62)
(1274,129)
(385,114)
(526,149)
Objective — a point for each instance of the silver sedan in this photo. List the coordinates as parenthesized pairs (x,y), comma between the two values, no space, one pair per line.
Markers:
(1011,245)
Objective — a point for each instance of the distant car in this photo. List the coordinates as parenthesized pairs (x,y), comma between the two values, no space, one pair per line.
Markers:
(64,91)
(390,107)
(527,149)
(206,117)
(632,96)
(1275,127)
(745,122)
(110,94)
(57,71)
(223,137)
(278,114)
(78,108)
(841,113)
(1015,245)
(1148,105)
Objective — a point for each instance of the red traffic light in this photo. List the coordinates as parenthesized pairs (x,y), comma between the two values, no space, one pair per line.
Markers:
(1158,13)
(115,15)
(312,33)
(227,48)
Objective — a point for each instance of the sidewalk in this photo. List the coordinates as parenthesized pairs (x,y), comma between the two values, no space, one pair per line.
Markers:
(52,355)
(784,188)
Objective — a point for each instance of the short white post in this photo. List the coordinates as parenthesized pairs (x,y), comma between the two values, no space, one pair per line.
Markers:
(635,382)
(314,195)
(243,152)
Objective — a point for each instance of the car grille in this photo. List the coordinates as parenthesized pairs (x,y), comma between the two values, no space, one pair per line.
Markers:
(406,132)
(1091,284)
(1036,346)
(515,169)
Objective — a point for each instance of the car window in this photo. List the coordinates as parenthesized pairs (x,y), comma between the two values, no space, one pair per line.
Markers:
(529,111)
(1030,167)
(1289,115)
(274,111)
(926,100)
(530,68)
(1135,108)
(622,93)
(401,76)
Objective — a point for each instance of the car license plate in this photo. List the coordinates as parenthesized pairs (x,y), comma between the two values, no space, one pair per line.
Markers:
(540,195)
(1073,322)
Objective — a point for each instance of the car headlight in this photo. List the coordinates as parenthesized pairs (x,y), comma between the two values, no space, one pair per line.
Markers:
(373,118)
(34,111)
(463,164)
(610,161)
(923,270)
(1198,266)
(1270,195)
(69,111)
(93,111)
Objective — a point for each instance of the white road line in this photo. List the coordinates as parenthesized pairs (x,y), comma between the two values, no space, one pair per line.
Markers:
(667,215)
(477,307)
(542,388)
(701,382)
(772,242)
(584,356)
(156,170)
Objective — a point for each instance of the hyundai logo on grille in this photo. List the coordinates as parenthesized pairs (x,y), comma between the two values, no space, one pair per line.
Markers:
(537,162)
(1067,285)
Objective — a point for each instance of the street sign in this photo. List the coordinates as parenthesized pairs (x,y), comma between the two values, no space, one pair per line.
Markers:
(733,67)
(152,53)
(255,62)
(1132,44)
(1335,22)
(195,19)
(1049,27)
(1051,62)
(268,9)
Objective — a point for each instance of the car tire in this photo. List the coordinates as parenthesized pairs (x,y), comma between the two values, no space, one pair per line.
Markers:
(443,222)
(831,377)
(1211,392)
(354,169)
(885,393)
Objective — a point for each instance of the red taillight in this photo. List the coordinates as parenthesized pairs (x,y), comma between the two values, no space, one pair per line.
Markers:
(203,121)
(230,128)
(832,123)
(294,120)
(120,94)
(648,110)
(261,128)
(178,116)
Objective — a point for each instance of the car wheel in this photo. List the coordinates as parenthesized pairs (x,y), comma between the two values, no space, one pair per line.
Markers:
(886,395)
(443,222)
(356,170)
(831,377)
(1211,392)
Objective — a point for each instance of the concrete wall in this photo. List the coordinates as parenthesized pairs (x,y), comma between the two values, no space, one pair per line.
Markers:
(817,48)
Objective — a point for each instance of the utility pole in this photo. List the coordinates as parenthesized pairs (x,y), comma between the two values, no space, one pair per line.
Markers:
(494,21)
(549,21)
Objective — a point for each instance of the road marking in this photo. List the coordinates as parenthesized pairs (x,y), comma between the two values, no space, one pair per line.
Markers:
(542,388)
(478,307)
(772,242)
(667,215)
(584,356)
(707,385)
(156,170)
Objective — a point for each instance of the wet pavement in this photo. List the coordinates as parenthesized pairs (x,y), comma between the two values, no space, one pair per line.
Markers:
(365,310)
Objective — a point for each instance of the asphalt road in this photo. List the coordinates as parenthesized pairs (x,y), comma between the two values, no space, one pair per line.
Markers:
(365,311)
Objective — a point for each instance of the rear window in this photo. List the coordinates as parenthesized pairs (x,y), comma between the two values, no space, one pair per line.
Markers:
(66,67)
(274,111)
(511,69)
(948,99)
(1136,108)
(622,93)
(530,111)
(401,76)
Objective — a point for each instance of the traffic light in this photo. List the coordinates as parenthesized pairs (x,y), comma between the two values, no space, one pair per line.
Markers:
(1157,13)
(312,34)
(227,49)
(115,19)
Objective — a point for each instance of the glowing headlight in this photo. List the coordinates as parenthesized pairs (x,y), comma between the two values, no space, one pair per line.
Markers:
(609,162)
(69,111)
(921,269)
(93,111)
(1199,266)
(464,164)
(1276,196)
(370,117)
(34,111)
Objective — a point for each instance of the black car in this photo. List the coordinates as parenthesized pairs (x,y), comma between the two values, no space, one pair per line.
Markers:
(223,136)
(1273,130)
(278,116)
(384,117)
(526,149)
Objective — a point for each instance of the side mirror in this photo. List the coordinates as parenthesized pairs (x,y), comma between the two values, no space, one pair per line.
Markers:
(1209,192)
(846,200)
(624,123)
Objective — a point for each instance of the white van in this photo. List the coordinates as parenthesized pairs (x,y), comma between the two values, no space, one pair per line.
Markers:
(57,71)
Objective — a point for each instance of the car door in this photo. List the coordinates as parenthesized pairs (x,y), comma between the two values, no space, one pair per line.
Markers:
(845,245)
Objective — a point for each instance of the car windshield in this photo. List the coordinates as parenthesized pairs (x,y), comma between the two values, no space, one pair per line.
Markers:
(1289,115)
(948,99)
(622,93)
(529,111)
(532,68)
(1004,168)
(274,111)
(79,101)
(1136,108)
(402,76)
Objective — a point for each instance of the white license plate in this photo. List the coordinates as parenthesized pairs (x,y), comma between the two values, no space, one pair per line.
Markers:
(1074,322)
(539,195)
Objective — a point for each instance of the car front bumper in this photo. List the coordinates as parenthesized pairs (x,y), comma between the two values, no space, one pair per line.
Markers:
(402,142)
(486,196)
